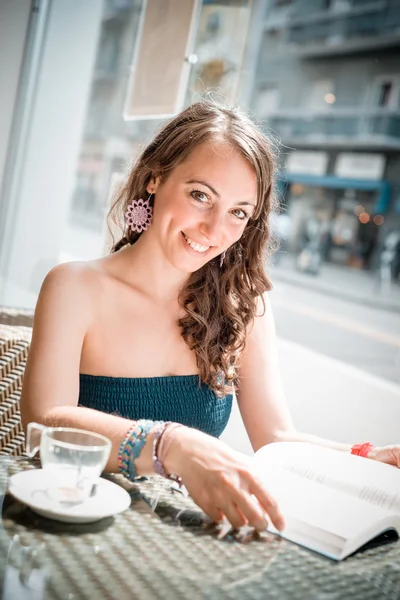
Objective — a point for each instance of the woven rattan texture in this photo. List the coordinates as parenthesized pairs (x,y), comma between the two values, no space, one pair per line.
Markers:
(14,346)
(167,554)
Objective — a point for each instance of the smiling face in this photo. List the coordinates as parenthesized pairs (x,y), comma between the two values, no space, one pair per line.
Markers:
(203,206)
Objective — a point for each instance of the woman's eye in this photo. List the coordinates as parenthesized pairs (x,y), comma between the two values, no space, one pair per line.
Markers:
(240,214)
(199,196)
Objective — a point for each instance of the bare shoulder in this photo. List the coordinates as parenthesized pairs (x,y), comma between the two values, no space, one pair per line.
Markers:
(263,322)
(77,276)
(69,291)
(74,279)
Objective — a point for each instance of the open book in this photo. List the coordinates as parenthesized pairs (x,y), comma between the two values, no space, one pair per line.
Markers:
(333,502)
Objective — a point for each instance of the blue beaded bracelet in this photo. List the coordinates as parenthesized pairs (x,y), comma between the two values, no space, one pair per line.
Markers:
(131,446)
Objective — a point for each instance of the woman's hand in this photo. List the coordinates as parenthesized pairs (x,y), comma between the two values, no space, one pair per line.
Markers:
(386,454)
(220,480)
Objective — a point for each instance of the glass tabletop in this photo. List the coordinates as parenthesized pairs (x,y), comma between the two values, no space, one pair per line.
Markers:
(161,548)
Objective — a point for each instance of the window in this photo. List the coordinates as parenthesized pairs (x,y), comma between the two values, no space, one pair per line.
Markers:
(386,92)
(267,99)
(283,2)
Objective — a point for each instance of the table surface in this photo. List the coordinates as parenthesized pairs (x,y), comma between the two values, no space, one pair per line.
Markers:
(159,548)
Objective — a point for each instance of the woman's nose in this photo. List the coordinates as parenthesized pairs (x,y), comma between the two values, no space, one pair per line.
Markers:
(212,229)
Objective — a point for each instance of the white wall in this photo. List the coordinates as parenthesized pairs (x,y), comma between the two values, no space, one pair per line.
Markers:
(14,17)
(43,187)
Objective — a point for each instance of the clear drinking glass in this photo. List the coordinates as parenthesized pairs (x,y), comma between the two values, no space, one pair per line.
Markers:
(73,459)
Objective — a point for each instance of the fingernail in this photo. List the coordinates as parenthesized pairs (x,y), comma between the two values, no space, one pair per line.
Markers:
(280,525)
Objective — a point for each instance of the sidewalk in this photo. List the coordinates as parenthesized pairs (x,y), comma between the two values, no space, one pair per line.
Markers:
(343,282)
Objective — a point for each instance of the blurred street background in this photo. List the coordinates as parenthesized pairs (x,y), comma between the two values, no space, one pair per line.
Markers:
(85,83)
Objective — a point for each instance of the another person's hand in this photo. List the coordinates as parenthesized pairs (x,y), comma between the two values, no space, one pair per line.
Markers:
(220,480)
(386,454)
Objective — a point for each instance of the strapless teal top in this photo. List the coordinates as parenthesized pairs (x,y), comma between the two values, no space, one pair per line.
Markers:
(176,398)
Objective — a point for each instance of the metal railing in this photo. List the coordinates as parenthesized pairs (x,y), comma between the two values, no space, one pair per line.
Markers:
(375,20)
(380,126)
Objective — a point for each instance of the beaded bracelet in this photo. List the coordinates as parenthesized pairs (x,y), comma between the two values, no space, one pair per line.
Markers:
(159,450)
(131,446)
(158,434)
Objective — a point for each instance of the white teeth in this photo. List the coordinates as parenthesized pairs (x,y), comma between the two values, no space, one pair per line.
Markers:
(195,245)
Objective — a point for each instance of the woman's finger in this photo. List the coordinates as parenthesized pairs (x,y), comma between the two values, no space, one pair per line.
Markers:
(213,512)
(268,503)
(251,510)
(386,454)
(234,516)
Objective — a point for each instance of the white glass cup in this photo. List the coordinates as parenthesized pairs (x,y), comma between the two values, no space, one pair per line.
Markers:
(73,459)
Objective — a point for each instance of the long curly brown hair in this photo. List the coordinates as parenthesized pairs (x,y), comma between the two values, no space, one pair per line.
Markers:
(220,303)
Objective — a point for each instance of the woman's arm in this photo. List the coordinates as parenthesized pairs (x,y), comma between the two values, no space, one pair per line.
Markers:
(262,400)
(261,397)
(63,315)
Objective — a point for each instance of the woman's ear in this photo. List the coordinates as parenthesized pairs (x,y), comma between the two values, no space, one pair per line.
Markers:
(153,184)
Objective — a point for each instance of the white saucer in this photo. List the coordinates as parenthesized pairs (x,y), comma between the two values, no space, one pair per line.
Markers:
(30,486)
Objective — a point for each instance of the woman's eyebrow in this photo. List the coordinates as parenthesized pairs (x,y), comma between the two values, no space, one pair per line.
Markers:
(244,203)
(206,184)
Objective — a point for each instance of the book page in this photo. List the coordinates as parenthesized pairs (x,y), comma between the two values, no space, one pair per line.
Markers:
(368,480)
(326,520)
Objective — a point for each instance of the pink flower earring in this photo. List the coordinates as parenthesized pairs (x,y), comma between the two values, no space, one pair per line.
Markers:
(139,214)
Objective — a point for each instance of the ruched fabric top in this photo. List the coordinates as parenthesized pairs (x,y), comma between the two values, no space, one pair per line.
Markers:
(171,398)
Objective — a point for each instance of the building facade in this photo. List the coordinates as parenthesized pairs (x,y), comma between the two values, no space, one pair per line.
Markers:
(328,87)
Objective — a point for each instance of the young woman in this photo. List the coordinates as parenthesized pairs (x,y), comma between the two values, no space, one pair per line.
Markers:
(162,329)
